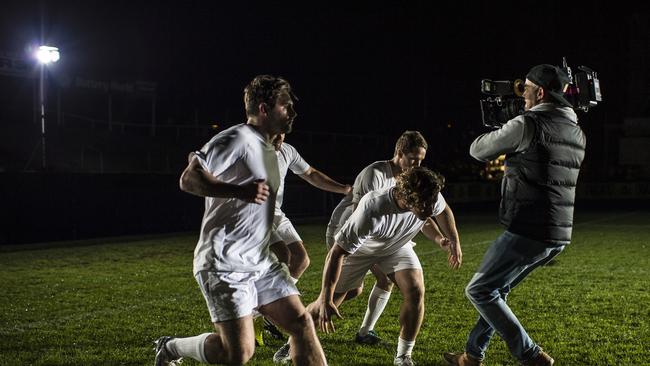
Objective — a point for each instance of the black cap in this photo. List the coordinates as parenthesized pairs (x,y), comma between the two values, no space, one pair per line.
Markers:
(553,79)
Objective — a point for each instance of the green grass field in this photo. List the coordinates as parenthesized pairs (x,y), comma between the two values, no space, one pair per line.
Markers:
(103,302)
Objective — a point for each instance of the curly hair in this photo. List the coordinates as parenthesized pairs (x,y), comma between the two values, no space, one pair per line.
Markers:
(419,186)
(409,141)
(264,89)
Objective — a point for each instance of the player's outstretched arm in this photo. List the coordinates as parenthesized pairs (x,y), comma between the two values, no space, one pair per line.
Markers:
(320,180)
(199,182)
(331,273)
(447,225)
(432,232)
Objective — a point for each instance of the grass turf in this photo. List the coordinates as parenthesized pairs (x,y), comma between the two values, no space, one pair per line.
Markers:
(103,302)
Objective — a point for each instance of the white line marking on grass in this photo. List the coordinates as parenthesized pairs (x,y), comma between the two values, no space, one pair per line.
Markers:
(77,318)
(463,246)
(607,218)
(311,274)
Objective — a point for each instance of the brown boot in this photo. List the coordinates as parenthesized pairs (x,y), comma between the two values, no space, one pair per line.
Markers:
(542,359)
(461,359)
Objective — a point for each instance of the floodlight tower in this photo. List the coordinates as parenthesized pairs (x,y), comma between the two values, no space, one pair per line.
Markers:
(44,55)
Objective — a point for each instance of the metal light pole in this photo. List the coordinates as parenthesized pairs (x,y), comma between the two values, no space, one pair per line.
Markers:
(45,55)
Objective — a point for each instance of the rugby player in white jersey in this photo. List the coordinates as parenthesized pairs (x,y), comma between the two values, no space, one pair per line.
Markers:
(378,234)
(285,241)
(410,150)
(237,173)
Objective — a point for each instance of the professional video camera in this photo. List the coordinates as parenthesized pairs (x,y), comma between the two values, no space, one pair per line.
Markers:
(505,98)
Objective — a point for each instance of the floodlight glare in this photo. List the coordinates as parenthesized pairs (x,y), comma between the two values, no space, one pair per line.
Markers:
(47,54)
(44,55)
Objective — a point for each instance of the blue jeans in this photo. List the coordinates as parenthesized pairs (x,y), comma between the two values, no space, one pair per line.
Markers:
(506,263)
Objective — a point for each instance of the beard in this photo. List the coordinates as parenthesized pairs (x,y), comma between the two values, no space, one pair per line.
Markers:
(288,127)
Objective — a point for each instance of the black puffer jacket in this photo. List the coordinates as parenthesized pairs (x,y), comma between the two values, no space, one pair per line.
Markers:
(538,189)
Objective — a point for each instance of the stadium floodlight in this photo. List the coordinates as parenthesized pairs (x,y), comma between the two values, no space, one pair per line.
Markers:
(44,55)
(47,54)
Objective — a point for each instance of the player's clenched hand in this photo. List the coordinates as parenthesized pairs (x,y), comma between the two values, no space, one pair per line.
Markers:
(348,189)
(326,315)
(455,255)
(443,243)
(256,192)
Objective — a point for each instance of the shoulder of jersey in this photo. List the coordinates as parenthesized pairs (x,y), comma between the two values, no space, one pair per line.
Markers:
(374,195)
(287,147)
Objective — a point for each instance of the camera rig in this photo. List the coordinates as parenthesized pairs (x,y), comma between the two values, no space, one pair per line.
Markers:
(505,100)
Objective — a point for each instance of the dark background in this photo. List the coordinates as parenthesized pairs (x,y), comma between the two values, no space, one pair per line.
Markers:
(364,72)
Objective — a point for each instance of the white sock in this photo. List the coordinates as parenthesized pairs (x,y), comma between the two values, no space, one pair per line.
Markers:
(404,347)
(189,347)
(376,303)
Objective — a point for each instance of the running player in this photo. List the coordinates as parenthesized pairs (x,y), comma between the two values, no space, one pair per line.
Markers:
(237,173)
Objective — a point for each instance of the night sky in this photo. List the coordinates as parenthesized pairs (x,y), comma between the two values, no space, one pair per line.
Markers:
(358,67)
(368,69)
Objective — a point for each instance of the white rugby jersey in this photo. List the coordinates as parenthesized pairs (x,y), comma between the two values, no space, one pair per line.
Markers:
(234,233)
(375,176)
(340,214)
(288,158)
(379,227)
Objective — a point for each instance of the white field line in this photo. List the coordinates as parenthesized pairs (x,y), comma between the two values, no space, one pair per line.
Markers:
(311,274)
(19,328)
(607,219)
(77,318)
(462,246)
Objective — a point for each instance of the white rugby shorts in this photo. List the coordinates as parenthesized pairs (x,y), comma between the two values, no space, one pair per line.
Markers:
(233,295)
(283,230)
(356,266)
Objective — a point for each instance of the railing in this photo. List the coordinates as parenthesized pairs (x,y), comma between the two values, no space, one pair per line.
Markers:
(136,128)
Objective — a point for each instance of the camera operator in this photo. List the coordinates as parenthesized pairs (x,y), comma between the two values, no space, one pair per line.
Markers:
(544,149)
